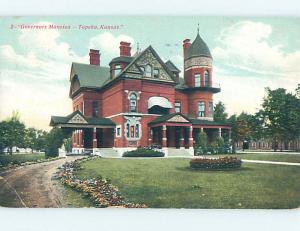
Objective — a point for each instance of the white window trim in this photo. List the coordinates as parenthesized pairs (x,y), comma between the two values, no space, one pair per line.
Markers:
(119,127)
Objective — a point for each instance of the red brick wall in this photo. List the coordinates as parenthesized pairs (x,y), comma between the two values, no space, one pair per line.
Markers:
(196,97)
(189,75)
(183,99)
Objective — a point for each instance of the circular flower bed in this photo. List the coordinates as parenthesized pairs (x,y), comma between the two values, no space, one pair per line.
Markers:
(215,163)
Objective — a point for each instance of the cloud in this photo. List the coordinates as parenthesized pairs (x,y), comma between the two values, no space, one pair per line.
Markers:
(246,46)
(34,73)
(108,43)
(246,63)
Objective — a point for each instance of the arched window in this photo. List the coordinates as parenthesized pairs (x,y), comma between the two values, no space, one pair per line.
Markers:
(133,102)
(148,71)
(197,80)
(206,79)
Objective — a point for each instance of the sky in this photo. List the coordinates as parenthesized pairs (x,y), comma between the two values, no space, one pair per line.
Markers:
(250,53)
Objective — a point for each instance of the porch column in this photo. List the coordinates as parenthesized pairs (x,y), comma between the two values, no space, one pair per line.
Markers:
(76,138)
(181,141)
(80,138)
(164,136)
(191,140)
(220,132)
(201,129)
(149,136)
(229,136)
(95,138)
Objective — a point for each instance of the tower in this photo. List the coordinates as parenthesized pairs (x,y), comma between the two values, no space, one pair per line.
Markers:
(198,78)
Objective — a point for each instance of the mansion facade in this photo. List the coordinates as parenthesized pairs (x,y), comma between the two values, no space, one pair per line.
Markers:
(140,100)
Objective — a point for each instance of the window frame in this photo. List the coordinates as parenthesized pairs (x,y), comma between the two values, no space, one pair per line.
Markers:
(95,113)
(133,101)
(197,74)
(117,69)
(119,131)
(147,71)
(154,75)
(176,106)
(206,78)
(210,106)
(201,113)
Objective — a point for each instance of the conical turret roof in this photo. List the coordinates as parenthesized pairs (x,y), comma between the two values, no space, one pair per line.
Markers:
(198,48)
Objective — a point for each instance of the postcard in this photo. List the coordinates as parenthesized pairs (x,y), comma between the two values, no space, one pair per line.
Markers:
(150,112)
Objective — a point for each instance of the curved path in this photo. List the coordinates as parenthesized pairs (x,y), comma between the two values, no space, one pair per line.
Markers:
(32,186)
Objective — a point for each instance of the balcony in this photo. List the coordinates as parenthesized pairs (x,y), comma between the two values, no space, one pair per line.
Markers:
(206,86)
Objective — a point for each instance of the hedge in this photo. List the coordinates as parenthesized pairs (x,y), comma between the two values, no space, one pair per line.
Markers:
(143,152)
(215,163)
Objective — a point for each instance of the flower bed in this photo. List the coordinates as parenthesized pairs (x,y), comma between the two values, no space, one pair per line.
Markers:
(99,190)
(143,152)
(215,163)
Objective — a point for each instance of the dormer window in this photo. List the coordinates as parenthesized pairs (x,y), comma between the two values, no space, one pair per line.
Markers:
(156,73)
(117,69)
(148,71)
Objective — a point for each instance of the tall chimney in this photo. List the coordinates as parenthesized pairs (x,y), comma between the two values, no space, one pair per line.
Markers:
(94,57)
(125,49)
(186,46)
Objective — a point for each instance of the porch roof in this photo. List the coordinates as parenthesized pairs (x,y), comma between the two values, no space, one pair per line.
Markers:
(77,119)
(203,123)
(177,118)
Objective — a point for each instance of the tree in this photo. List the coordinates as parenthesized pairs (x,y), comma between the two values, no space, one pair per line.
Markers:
(281,116)
(220,114)
(40,143)
(201,143)
(54,141)
(30,138)
(12,132)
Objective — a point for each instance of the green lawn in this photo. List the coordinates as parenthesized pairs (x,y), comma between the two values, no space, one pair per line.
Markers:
(20,158)
(267,156)
(170,183)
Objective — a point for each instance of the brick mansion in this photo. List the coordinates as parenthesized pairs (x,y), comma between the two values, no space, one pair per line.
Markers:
(140,100)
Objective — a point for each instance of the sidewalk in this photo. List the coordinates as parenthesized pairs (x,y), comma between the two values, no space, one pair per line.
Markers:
(270,162)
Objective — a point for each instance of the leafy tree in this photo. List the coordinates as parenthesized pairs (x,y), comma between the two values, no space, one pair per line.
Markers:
(68,144)
(54,140)
(12,132)
(30,138)
(220,114)
(281,116)
(201,143)
(232,121)
(40,143)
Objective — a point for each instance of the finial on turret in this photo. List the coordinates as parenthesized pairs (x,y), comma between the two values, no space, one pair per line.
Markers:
(198,28)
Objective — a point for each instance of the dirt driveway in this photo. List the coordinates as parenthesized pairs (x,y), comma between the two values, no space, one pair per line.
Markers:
(32,186)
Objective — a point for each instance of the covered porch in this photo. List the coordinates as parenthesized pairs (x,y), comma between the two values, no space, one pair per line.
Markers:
(88,134)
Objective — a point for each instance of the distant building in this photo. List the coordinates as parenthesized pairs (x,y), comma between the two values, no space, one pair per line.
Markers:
(139,100)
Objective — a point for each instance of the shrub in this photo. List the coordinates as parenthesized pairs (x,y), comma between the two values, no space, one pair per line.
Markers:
(215,163)
(143,152)
(201,144)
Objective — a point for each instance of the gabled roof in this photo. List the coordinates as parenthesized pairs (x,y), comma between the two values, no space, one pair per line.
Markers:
(169,117)
(77,118)
(198,48)
(156,56)
(172,66)
(90,75)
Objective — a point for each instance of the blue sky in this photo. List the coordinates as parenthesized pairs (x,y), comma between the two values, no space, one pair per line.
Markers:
(249,55)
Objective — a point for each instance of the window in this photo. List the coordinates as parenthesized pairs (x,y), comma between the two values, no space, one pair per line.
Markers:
(118,131)
(197,80)
(117,69)
(148,71)
(210,109)
(201,109)
(137,131)
(127,130)
(155,73)
(133,131)
(177,107)
(95,108)
(133,102)
(206,79)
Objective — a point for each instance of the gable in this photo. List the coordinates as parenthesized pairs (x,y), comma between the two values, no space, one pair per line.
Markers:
(148,57)
(77,119)
(178,119)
